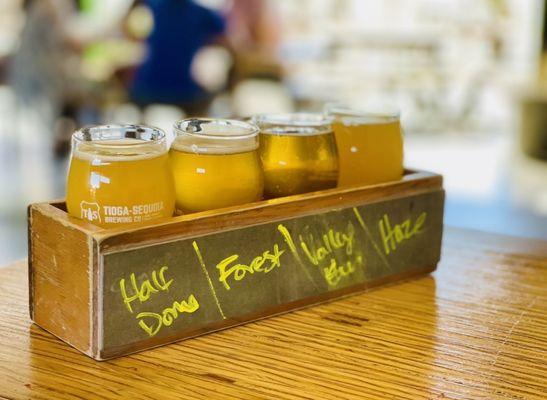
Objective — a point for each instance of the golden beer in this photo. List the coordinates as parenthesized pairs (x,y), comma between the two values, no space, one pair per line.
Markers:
(119,175)
(215,164)
(370,146)
(298,154)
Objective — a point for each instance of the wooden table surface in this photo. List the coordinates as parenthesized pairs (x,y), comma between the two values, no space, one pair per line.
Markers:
(475,329)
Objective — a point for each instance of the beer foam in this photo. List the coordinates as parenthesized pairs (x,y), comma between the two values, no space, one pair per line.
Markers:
(207,145)
(118,150)
(351,120)
(369,115)
(295,131)
(293,124)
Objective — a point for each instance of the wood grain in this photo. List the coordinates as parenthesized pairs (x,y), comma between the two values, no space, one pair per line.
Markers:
(60,276)
(475,329)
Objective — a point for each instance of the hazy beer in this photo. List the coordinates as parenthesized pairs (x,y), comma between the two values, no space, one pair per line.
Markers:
(215,164)
(298,153)
(119,175)
(370,145)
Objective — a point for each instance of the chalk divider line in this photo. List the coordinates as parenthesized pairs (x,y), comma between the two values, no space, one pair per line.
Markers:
(367,231)
(292,247)
(213,291)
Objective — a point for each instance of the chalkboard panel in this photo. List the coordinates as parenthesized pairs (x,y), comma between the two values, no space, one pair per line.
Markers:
(193,285)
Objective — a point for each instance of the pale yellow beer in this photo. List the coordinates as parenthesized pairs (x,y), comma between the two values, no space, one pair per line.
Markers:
(370,145)
(215,164)
(298,153)
(119,175)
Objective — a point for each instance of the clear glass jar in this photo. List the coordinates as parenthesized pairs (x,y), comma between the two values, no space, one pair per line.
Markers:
(370,144)
(298,153)
(215,164)
(119,175)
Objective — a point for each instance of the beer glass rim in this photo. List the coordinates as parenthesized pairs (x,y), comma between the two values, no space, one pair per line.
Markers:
(375,111)
(243,130)
(293,119)
(116,132)
(293,124)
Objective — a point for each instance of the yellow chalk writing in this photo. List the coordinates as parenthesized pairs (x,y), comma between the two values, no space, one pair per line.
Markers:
(392,236)
(335,272)
(320,249)
(152,323)
(142,291)
(317,250)
(264,263)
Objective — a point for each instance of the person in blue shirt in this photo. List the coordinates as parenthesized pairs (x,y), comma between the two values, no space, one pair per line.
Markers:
(181,29)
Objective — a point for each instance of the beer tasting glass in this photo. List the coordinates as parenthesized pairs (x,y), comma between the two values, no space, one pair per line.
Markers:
(370,144)
(215,164)
(119,175)
(298,153)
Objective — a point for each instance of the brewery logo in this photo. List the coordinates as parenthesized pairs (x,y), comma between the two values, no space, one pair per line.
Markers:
(90,211)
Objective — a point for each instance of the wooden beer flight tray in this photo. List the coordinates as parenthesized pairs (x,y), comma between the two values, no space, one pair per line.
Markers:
(111,292)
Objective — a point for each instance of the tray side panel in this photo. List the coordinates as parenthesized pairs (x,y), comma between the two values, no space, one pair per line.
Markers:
(156,294)
(60,265)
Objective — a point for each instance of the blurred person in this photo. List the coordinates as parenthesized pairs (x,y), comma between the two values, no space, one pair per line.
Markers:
(253,25)
(254,36)
(181,28)
(44,69)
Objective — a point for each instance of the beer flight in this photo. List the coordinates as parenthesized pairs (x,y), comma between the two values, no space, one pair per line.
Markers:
(123,175)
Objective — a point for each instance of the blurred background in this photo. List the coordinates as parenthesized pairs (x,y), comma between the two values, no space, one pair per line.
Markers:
(468,76)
